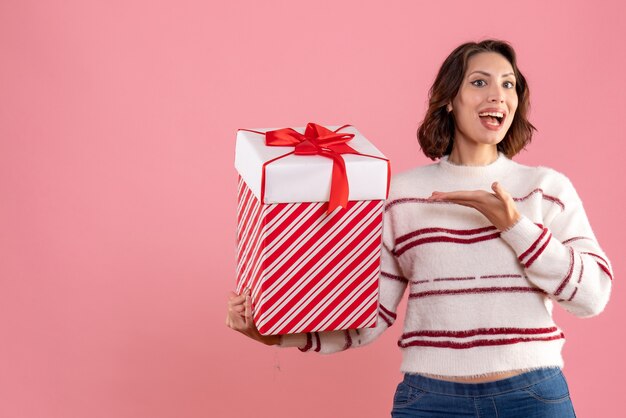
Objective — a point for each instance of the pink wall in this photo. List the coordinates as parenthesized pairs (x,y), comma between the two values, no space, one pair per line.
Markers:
(117,204)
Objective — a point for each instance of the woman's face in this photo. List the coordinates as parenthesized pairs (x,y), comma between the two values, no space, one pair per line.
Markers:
(488,87)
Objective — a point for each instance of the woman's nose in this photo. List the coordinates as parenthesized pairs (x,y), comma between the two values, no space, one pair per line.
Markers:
(496,94)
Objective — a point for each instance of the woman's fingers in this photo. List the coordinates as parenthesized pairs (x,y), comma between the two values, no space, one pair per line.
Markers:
(461,195)
(236,308)
(501,193)
(458,194)
(236,299)
(232,321)
(248,312)
(498,207)
(474,198)
(463,202)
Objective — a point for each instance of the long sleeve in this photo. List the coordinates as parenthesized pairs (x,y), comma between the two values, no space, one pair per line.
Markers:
(563,257)
(392,285)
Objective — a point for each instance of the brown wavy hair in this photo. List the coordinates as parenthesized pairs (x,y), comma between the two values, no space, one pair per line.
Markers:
(436,132)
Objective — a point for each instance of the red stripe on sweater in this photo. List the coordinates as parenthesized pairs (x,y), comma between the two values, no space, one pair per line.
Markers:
(532,247)
(539,251)
(474,290)
(555,200)
(387,311)
(603,267)
(387,321)
(582,268)
(419,281)
(477,331)
(449,231)
(309,343)
(348,340)
(498,276)
(393,277)
(543,195)
(444,239)
(596,256)
(606,270)
(317,341)
(477,343)
(573,294)
(569,273)
(443,279)
(575,239)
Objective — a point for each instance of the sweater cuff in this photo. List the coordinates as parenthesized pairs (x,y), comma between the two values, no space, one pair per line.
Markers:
(294,340)
(522,235)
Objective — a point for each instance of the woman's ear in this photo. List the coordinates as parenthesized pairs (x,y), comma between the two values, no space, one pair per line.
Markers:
(449,107)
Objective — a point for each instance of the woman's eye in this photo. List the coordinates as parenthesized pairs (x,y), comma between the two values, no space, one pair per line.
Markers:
(477,83)
(509,84)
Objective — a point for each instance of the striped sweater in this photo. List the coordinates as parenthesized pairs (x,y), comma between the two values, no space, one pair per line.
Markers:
(480,300)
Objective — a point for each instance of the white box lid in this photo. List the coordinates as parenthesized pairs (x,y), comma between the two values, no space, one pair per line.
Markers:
(307,178)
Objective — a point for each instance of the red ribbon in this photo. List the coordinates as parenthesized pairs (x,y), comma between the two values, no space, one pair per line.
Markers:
(318,140)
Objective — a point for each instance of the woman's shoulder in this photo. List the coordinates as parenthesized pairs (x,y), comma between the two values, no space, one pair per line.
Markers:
(412,179)
(419,172)
(547,180)
(542,174)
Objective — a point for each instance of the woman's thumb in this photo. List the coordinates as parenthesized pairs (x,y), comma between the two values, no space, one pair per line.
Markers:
(498,189)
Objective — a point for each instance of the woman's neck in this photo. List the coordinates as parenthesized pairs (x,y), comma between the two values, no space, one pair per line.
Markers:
(473,156)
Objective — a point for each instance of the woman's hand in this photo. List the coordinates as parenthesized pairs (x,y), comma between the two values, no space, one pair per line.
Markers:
(498,207)
(239,318)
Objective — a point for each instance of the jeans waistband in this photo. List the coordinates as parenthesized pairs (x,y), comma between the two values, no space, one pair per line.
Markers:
(480,389)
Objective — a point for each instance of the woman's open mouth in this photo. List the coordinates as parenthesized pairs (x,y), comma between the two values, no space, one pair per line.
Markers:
(492,120)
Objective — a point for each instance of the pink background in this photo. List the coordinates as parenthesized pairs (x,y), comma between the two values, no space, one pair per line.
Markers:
(117,204)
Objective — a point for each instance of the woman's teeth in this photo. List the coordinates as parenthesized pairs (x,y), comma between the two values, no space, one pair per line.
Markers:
(492,118)
(494,114)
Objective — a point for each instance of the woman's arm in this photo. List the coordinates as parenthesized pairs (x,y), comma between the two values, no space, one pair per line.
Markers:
(563,257)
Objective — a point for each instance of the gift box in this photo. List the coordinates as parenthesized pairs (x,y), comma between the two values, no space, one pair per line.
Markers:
(309,224)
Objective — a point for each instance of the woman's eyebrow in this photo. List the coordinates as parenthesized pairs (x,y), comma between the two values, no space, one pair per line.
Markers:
(489,75)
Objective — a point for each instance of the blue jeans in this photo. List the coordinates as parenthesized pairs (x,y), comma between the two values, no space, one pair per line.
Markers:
(541,393)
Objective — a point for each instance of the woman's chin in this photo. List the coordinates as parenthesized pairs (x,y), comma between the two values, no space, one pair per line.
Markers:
(482,138)
(488,140)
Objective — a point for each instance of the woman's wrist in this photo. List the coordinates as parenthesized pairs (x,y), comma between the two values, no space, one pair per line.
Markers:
(270,339)
(514,221)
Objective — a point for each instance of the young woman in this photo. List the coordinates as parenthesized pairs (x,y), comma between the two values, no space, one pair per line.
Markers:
(485,246)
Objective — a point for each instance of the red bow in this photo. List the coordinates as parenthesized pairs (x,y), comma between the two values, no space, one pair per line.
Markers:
(318,140)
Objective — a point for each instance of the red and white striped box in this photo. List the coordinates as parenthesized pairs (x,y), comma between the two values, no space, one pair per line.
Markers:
(308,268)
